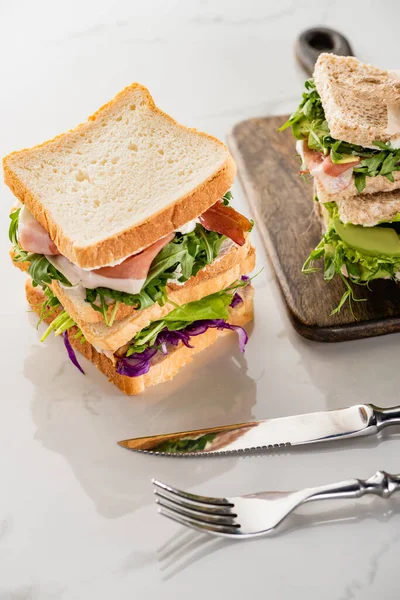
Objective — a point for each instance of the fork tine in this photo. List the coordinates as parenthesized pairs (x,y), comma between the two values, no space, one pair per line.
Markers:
(222,511)
(198,517)
(219,530)
(193,497)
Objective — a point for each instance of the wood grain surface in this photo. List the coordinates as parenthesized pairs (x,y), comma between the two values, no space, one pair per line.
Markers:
(282,205)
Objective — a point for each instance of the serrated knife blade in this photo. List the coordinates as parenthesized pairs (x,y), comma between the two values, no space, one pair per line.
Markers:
(354,421)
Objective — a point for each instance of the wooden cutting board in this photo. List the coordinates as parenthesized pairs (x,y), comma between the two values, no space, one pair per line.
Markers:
(282,204)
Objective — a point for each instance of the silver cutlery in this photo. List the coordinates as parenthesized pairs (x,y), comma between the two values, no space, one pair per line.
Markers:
(258,514)
(354,421)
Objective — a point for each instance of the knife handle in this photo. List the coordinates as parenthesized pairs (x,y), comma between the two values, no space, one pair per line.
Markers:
(386,416)
(381,484)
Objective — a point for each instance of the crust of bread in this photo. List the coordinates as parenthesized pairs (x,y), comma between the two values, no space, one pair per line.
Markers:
(164,369)
(122,331)
(140,235)
(364,209)
(374,185)
(355,98)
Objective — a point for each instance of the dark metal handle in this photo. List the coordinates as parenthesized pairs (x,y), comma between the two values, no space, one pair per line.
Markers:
(312,42)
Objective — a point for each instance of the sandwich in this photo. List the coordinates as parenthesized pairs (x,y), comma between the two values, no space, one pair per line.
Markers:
(126,230)
(347,129)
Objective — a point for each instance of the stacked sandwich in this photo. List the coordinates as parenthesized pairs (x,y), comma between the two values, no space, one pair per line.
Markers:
(134,253)
(348,132)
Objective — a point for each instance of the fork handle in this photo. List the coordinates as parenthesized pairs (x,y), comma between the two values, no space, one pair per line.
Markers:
(381,484)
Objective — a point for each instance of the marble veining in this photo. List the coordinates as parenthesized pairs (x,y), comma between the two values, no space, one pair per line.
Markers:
(77,515)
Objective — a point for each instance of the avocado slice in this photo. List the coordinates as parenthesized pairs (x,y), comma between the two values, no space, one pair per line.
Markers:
(369,240)
(346,158)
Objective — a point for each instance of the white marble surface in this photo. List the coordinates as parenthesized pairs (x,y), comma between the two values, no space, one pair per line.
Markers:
(77,519)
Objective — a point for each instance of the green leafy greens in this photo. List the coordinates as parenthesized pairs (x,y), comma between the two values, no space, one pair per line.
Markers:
(308,123)
(41,271)
(341,259)
(179,260)
(214,306)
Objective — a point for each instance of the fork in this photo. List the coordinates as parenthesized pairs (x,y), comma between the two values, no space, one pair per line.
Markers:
(258,514)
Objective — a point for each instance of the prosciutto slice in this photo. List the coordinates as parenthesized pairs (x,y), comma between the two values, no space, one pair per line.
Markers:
(32,237)
(129,276)
(226,221)
(138,265)
(334,178)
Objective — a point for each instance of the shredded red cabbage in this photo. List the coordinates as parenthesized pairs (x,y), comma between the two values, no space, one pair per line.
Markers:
(236,300)
(136,364)
(200,327)
(139,363)
(71,352)
(245,278)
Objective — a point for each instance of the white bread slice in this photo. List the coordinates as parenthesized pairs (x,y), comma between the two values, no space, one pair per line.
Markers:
(364,209)
(120,181)
(165,367)
(374,185)
(355,98)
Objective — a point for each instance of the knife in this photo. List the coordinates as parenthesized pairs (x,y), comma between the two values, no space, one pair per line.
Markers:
(354,421)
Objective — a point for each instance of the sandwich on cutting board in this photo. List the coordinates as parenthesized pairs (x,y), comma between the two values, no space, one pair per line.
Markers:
(134,253)
(348,137)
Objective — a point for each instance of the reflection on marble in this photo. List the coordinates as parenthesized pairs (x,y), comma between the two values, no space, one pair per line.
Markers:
(71,419)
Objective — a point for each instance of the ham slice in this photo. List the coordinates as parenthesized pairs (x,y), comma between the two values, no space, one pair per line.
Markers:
(226,221)
(138,265)
(129,276)
(334,178)
(32,237)
(334,170)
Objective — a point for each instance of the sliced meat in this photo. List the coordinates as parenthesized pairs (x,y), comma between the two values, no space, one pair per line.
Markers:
(129,276)
(226,221)
(312,160)
(32,237)
(138,265)
(334,178)
(332,169)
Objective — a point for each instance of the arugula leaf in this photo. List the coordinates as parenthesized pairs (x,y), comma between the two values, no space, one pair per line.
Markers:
(12,231)
(41,271)
(226,198)
(360,181)
(181,259)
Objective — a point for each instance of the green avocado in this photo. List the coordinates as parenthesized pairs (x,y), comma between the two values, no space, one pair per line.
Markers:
(369,240)
(346,158)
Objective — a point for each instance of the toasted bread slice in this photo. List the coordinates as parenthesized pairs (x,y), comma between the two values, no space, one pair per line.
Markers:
(120,181)
(164,367)
(364,209)
(355,97)
(374,185)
